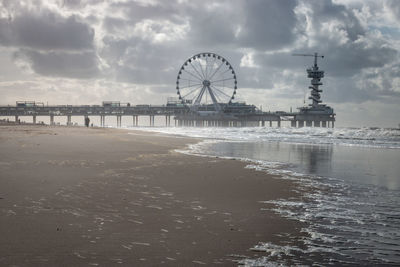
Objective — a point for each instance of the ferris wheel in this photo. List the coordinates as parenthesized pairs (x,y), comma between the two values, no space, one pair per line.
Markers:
(206,79)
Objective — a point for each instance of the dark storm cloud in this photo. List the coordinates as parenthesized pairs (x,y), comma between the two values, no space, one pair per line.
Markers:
(350,60)
(268,24)
(45,31)
(50,42)
(61,64)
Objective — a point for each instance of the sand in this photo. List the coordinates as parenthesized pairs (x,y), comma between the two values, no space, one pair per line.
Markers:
(74,196)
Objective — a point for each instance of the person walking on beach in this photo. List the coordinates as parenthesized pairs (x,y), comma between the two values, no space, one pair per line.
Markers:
(87,121)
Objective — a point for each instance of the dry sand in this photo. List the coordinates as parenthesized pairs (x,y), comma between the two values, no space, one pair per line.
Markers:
(73,196)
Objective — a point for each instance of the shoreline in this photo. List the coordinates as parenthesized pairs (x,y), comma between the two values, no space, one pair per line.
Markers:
(86,196)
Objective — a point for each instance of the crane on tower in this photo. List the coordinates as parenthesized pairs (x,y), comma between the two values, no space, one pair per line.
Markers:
(310,55)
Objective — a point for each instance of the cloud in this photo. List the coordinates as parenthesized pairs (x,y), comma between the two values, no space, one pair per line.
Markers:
(60,64)
(394,9)
(267,24)
(45,31)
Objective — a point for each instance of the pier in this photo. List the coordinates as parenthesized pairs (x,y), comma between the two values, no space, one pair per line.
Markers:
(206,87)
(241,115)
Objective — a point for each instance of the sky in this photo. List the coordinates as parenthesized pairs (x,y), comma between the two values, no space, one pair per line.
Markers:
(88,51)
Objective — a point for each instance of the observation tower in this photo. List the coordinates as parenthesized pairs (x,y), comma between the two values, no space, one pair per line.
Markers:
(315,112)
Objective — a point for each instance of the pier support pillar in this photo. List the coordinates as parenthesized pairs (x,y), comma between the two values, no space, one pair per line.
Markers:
(279,124)
(270,123)
(51,119)
(16,118)
(151,118)
(301,124)
(68,120)
(324,124)
(119,121)
(309,123)
(293,124)
(34,119)
(263,123)
(333,124)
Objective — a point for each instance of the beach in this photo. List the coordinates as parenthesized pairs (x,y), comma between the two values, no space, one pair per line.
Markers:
(75,196)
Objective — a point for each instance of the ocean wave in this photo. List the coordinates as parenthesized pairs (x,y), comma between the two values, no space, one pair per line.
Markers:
(364,137)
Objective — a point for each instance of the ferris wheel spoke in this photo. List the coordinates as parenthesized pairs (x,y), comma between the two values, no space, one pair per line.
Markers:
(201,68)
(217,70)
(196,70)
(206,68)
(189,80)
(224,85)
(220,91)
(212,66)
(193,75)
(191,92)
(197,84)
(222,80)
(220,74)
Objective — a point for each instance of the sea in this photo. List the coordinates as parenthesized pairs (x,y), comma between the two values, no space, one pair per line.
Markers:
(348,179)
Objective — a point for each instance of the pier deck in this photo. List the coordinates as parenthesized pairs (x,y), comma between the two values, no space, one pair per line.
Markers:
(245,115)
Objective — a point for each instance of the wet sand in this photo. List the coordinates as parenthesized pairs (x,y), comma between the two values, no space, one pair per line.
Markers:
(74,196)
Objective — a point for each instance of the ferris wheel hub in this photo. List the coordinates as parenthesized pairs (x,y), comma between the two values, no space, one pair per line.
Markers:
(206,83)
